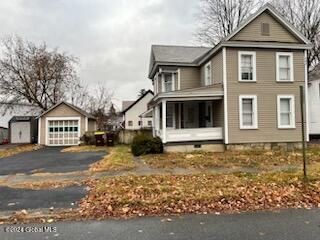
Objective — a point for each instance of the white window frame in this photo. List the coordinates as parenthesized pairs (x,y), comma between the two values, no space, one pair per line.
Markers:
(172,77)
(290,54)
(254,109)
(254,66)
(206,83)
(292,109)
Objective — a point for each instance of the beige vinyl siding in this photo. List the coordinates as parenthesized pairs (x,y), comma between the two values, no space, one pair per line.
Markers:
(92,125)
(252,32)
(216,67)
(189,77)
(266,88)
(60,111)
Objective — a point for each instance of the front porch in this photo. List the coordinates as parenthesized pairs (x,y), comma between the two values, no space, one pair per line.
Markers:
(189,120)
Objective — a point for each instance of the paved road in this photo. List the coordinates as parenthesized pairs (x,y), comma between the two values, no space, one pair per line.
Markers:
(287,225)
(12,199)
(49,159)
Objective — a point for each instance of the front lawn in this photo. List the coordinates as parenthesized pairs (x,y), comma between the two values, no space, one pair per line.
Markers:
(18,149)
(118,158)
(260,159)
(202,193)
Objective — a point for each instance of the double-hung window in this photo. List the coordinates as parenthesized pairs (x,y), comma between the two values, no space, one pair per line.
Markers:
(248,113)
(286,111)
(247,66)
(208,74)
(284,67)
(168,81)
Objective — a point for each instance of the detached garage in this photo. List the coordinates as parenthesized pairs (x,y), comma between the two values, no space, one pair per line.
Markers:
(23,129)
(63,125)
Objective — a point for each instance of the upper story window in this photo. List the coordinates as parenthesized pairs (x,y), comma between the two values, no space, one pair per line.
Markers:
(168,81)
(247,66)
(208,74)
(284,66)
(286,111)
(248,112)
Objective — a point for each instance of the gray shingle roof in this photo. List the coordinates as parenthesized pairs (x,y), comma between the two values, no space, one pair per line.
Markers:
(178,54)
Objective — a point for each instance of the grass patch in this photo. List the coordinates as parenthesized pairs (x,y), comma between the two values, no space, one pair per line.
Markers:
(260,159)
(89,148)
(176,194)
(19,149)
(118,159)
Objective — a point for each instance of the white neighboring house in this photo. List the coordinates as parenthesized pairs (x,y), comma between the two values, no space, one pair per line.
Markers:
(134,117)
(20,109)
(314,102)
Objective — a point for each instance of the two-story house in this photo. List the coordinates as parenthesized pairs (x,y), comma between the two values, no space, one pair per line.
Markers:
(244,92)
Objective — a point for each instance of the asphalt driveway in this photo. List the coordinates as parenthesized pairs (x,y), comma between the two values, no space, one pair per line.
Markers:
(49,160)
(12,199)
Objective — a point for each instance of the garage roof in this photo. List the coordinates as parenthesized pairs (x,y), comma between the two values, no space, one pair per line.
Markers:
(79,110)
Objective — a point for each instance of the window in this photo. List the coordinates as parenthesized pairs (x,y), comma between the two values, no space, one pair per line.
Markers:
(284,67)
(247,66)
(168,82)
(265,29)
(208,75)
(139,123)
(149,123)
(286,111)
(248,113)
(130,123)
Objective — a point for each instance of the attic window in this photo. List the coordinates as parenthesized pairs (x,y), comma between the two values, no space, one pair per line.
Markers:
(265,29)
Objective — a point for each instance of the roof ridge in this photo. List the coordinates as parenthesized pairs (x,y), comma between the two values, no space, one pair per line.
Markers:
(186,46)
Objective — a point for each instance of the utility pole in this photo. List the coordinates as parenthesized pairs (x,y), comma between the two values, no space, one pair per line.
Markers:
(303,133)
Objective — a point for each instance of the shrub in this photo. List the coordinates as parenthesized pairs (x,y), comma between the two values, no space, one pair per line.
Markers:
(144,144)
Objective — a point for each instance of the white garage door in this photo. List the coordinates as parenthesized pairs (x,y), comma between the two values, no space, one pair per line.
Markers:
(63,132)
(20,132)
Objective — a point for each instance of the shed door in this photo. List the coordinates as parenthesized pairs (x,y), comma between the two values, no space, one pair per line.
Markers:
(63,132)
(20,132)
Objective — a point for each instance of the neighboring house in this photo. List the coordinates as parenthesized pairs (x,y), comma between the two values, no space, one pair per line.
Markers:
(314,102)
(63,125)
(244,92)
(23,129)
(3,135)
(7,111)
(132,119)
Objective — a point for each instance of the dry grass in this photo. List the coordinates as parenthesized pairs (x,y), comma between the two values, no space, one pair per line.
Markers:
(118,159)
(90,148)
(260,159)
(46,184)
(19,149)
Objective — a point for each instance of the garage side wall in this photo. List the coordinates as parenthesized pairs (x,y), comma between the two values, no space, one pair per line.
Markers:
(60,111)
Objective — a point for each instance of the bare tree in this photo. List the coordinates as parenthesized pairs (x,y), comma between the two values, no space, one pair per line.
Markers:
(305,16)
(218,18)
(34,74)
(141,92)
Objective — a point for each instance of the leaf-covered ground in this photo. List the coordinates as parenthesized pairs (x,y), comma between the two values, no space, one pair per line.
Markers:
(18,149)
(202,193)
(259,159)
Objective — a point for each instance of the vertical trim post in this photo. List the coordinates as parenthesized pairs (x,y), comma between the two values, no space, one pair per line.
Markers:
(164,121)
(306,95)
(225,97)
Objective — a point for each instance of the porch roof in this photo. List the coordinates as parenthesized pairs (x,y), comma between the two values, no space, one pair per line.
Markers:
(201,93)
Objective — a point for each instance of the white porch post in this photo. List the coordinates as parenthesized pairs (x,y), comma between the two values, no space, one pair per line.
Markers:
(164,121)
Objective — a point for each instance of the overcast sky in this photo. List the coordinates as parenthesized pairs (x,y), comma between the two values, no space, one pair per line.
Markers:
(112,38)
